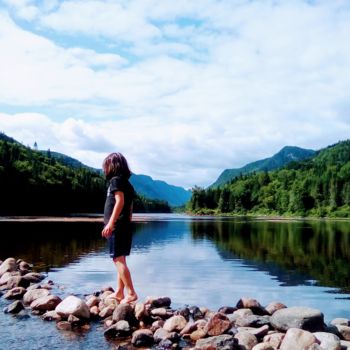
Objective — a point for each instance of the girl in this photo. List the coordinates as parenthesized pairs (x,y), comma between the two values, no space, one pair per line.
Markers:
(117,221)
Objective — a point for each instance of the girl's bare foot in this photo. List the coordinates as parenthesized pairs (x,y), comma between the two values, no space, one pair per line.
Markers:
(131,298)
(119,296)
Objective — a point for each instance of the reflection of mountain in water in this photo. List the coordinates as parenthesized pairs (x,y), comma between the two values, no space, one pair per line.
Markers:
(291,251)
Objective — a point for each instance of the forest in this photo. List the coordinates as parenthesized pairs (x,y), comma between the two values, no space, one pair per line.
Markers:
(319,186)
(33,182)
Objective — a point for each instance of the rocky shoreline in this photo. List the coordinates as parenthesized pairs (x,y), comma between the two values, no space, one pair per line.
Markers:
(155,324)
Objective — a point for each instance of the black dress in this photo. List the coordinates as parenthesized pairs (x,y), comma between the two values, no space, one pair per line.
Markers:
(121,238)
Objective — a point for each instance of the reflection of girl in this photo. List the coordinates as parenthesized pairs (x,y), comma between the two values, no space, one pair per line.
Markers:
(117,221)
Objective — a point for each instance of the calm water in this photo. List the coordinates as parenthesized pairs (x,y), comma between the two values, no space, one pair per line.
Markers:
(197,261)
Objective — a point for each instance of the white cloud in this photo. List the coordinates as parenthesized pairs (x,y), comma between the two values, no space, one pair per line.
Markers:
(200,87)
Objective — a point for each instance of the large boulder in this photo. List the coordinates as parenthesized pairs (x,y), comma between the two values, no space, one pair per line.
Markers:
(176,323)
(17,281)
(6,276)
(217,324)
(142,338)
(124,312)
(298,339)
(73,305)
(34,294)
(328,341)
(46,303)
(15,293)
(34,277)
(298,317)
(9,265)
(158,301)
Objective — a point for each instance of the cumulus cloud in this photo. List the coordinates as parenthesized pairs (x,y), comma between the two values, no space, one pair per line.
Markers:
(185,89)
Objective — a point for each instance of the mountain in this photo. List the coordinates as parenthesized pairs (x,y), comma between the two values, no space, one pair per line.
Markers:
(285,156)
(156,189)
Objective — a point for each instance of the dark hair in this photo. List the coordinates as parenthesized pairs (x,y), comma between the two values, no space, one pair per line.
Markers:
(115,164)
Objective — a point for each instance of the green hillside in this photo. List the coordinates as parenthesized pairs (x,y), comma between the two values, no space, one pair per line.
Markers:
(36,183)
(286,155)
(319,186)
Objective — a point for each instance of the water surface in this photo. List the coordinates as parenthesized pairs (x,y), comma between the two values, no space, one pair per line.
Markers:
(202,261)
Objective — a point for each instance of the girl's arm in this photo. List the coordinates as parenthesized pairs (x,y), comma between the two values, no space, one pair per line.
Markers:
(118,206)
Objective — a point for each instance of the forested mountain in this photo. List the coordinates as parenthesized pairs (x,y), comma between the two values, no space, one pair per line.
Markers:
(319,186)
(35,182)
(286,155)
(174,195)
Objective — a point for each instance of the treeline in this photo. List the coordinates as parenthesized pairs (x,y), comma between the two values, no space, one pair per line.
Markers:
(36,183)
(315,187)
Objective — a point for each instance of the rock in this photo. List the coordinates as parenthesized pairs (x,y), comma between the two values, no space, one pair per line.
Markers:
(162,334)
(345,345)
(160,311)
(252,304)
(140,311)
(297,339)
(258,332)
(92,301)
(252,321)
(51,316)
(239,313)
(34,294)
(15,293)
(263,346)
(34,277)
(189,328)
(274,306)
(196,313)
(23,265)
(158,301)
(124,312)
(47,303)
(8,265)
(198,334)
(246,339)
(107,311)
(94,311)
(46,286)
(107,289)
(108,322)
(15,307)
(298,317)
(105,294)
(224,342)
(142,338)
(17,281)
(185,312)
(64,326)
(340,321)
(275,339)
(344,331)
(157,324)
(218,324)
(165,345)
(34,286)
(120,329)
(328,341)
(227,309)
(73,320)
(6,276)
(73,305)
(175,323)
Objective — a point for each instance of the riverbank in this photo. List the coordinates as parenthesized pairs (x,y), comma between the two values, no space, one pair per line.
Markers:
(154,323)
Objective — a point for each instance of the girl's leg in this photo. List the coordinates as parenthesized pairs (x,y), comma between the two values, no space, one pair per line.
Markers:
(125,277)
(120,288)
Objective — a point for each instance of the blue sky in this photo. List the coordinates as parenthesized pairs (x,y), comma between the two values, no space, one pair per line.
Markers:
(183,88)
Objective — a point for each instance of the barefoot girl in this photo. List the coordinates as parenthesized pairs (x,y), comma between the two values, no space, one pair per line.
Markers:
(117,221)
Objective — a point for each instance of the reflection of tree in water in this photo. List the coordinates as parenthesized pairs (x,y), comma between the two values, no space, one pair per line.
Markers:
(319,249)
(49,244)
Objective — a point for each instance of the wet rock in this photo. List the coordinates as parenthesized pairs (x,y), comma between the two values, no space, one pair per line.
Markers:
(224,342)
(17,281)
(162,334)
(92,301)
(344,331)
(34,277)
(175,323)
(274,306)
(298,317)
(47,303)
(14,308)
(275,339)
(297,339)
(34,294)
(252,304)
(227,309)
(340,321)
(142,338)
(15,293)
(246,339)
(124,312)
(108,322)
(73,320)
(64,326)
(158,301)
(73,305)
(46,286)
(258,332)
(9,265)
(252,321)
(51,316)
(328,341)
(218,324)
(107,311)
(120,329)
(34,286)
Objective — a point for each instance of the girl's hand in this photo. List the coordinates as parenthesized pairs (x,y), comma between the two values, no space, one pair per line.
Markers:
(107,230)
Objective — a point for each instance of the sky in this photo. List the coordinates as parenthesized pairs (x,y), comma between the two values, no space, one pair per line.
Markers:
(184,89)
